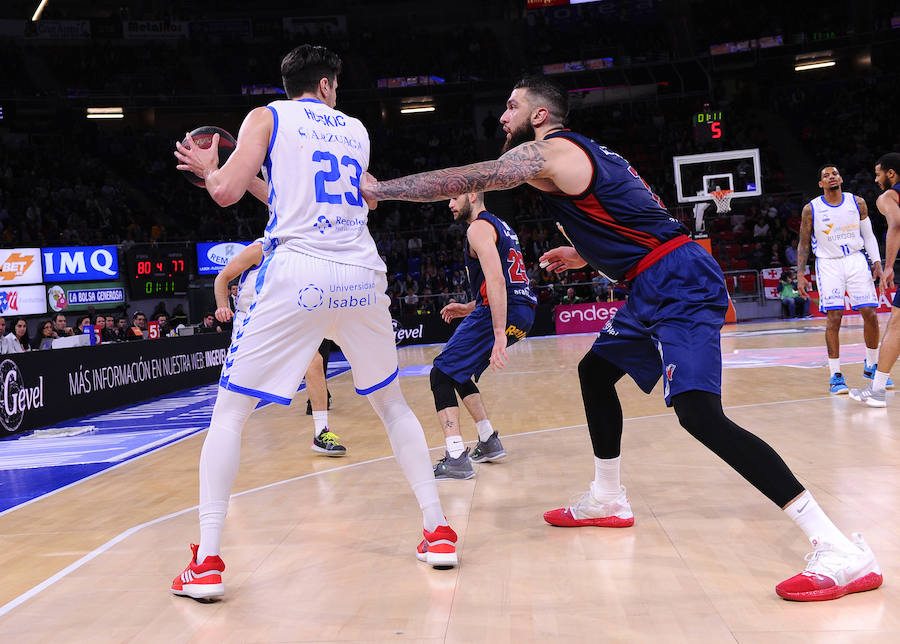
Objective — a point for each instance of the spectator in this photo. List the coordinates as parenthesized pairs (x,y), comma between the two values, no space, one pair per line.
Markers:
(760,228)
(178,317)
(163,320)
(61,326)
(83,322)
(792,305)
(570,297)
(208,325)
(139,319)
(2,326)
(790,253)
(410,301)
(19,337)
(109,333)
(44,337)
(121,327)
(233,296)
(159,310)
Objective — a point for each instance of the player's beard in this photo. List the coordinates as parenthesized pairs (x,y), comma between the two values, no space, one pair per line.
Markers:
(463,211)
(518,136)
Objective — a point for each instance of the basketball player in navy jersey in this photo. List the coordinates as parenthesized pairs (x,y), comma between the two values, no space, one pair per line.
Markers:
(670,326)
(887,176)
(500,315)
(837,227)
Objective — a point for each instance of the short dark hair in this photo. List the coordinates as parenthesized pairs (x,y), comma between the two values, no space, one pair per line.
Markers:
(547,93)
(304,66)
(890,161)
(827,165)
(137,313)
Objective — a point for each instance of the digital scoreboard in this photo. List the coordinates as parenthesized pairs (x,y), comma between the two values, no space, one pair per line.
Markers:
(708,125)
(158,271)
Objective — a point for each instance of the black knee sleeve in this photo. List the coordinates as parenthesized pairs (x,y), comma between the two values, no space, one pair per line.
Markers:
(701,413)
(598,378)
(465,389)
(443,388)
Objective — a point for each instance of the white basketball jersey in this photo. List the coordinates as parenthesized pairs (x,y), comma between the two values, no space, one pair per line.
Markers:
(247,283)
(835,230)
(313,167)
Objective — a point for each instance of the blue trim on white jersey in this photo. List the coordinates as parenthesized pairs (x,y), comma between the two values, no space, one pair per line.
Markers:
(856,203)
(308,100)
(383,383)
(843,198)
(255,393)
(274,134)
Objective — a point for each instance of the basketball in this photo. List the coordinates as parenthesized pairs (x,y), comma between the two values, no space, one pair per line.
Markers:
(203,137)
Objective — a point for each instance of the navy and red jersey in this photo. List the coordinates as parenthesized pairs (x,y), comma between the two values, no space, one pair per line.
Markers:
(618,221)
(518,289)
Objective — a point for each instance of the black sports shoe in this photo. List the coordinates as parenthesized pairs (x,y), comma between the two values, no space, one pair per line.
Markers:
(329,444)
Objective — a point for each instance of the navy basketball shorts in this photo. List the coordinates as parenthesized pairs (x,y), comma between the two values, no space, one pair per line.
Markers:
(468,352)
(670,326)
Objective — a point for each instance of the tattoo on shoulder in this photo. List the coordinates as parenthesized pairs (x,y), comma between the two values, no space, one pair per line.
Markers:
(512,169)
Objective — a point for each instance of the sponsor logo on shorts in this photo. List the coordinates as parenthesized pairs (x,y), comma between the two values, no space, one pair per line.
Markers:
(515,332)
(401,334)
(322,224)
(608,328)
(351,302)
(311,297)
(670,371)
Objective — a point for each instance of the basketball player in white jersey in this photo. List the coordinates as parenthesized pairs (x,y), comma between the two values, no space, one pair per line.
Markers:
(244,265)
(838,227)
(321,276)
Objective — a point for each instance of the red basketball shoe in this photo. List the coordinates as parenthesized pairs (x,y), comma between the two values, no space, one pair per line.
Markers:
(200,581)
(833,573)
(438,548)
(587,511)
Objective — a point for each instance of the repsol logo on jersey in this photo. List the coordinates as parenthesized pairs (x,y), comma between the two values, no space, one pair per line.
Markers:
(16,397)
(401,334)
(326,119)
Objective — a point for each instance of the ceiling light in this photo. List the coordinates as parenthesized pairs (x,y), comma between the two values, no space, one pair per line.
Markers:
(105,113)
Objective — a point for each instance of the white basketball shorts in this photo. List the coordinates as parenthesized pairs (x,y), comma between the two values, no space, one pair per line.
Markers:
(300,300)
(850,274)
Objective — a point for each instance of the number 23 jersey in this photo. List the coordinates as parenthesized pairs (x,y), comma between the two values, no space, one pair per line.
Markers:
(313,167)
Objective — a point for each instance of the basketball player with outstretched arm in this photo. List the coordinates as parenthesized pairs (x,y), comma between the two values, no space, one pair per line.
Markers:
(321,276)
(887,176)
(837,227)
(670,326)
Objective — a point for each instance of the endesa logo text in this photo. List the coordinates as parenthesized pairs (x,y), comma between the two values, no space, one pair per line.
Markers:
(77,263)
(585,318)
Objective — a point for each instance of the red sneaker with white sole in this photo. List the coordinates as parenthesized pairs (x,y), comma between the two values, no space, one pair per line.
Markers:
(587,511)
(200,581)
(438,548)
(833,573)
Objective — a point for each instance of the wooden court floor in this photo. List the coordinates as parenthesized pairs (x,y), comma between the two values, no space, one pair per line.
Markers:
(321,550)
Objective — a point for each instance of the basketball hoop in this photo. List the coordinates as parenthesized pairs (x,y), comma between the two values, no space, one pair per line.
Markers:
(722,198)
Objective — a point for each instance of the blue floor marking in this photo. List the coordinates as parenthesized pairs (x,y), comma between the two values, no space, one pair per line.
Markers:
(32,467)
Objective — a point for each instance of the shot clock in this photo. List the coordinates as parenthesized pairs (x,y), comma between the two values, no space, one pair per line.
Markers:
(158,270)
(708,125)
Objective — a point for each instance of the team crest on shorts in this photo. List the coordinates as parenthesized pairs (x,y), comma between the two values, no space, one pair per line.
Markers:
(311,297)
(670,370)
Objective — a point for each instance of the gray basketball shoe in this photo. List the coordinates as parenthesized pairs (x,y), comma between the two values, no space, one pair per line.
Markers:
(869,396)
(489,450)
(454,468)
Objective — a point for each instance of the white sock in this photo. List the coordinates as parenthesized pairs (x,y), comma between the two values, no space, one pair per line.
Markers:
(606,486)
(410,450)
(219,461)
(485,431)
(807,514)
(834,364)
(880,382)
(871,356)
(455,446)
(320,418)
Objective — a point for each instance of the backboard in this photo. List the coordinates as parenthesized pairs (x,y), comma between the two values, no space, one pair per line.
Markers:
(697,175)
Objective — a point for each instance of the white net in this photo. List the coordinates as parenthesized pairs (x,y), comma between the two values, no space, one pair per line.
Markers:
(722,199)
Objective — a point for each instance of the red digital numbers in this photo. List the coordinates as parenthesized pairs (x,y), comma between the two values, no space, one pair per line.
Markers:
(144,268)
(716,128)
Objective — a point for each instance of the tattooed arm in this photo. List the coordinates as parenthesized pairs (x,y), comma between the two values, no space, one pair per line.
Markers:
(519,165)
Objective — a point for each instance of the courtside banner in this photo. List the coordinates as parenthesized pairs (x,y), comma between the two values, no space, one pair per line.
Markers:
(771,279)
(20,266)
(589,317)
(77,297)
(80,263)
(40,388)
(22,300)
(212,256)
(421,329)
